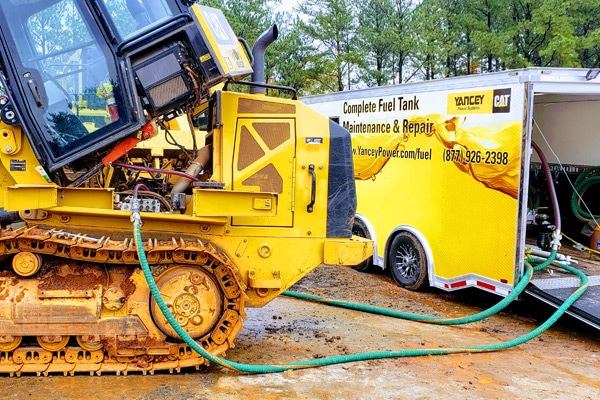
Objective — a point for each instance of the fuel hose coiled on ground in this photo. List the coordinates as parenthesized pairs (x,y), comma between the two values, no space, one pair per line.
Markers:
(261,369)
(531,265)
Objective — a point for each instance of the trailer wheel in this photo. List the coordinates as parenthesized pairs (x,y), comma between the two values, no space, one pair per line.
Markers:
(360,229)
(407,261)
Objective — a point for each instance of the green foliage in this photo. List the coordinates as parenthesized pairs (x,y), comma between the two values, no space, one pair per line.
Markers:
(543,34)
(335,45)
(586,18)
(248,18)
(295,63)
(331,24)
(385,37)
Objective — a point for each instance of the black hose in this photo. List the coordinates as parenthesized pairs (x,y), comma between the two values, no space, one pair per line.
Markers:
(551,188)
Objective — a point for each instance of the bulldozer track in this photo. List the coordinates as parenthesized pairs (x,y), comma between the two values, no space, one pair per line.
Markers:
(117,352)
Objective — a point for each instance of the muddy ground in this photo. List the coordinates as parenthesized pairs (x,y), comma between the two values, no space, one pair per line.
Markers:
(564,362)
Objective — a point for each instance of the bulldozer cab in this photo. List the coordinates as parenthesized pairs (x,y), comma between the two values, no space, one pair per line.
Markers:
(84,74)
(67,76)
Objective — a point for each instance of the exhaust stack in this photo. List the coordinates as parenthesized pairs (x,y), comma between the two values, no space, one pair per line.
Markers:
(258,52)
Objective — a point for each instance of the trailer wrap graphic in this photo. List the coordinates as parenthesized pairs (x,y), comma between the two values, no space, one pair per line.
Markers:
(446,163)
(491,155)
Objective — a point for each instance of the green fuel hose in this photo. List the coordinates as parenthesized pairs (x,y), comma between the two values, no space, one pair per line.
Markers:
(262,369)
(502,304)
(418,317)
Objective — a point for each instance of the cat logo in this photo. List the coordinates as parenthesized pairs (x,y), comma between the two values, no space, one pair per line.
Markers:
(501,101)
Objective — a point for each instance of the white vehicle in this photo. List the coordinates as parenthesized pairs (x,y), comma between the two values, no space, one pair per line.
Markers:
(451,190)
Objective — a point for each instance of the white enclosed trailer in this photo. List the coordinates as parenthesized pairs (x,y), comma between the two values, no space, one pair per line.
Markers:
(452,192)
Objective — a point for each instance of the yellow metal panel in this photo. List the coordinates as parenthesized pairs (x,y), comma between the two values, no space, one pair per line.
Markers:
(97,222)
(313,148)
(229,54)
(258,278)
(210,202)
(347,252)
(88,198)
(6,180)
(264,161)
(25,197)
(18,159)
(262,204)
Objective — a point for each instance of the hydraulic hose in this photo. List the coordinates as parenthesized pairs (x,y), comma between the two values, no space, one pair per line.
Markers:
(551,188)
(155,170)
(502,304)
(418,317)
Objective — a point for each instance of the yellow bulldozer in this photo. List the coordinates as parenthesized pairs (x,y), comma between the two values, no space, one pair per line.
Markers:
(123,150)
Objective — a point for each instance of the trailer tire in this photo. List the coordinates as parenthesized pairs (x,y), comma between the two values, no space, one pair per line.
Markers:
(359,228)
(407,261)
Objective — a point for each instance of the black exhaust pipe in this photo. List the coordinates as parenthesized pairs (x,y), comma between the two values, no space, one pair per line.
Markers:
(258,52)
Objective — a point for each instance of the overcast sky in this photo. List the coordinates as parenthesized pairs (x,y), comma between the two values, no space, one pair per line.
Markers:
(287,5)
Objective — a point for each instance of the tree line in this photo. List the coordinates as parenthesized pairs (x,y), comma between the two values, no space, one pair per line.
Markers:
(334,45)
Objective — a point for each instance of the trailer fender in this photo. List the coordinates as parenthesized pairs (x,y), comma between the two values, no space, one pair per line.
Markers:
(362,227)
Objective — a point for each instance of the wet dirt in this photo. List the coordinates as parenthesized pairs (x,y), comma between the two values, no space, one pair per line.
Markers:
(563,362)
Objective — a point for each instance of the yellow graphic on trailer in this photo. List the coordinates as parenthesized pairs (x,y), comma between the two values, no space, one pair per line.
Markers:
(489,154)
(443,165)
(372,152)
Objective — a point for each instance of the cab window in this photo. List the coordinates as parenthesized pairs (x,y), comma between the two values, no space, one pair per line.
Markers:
(75,86)
(133,16)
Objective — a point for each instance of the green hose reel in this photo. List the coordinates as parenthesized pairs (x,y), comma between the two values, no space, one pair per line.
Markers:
(584,182)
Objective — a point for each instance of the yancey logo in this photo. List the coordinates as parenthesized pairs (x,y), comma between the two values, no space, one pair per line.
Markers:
(481,102)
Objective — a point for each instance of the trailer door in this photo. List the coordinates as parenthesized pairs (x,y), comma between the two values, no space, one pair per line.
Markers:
(482,143)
